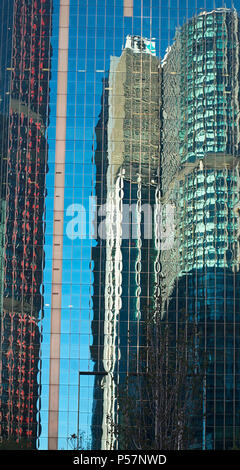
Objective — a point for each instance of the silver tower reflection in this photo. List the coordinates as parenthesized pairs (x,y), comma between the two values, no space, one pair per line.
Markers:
(127,160)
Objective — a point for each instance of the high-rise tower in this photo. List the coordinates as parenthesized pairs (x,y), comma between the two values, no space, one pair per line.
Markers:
(25,72)
(127,156)
(200,175)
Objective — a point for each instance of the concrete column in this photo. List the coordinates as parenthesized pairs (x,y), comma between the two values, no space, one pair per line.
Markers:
(128,8)
(58,226)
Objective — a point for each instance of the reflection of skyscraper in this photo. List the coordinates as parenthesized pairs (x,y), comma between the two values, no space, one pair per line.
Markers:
(127,160)
(200,175)
(191,100)
(198,99)
(25,70)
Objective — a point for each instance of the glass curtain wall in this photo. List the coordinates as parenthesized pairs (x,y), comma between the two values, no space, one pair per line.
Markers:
(105,104)
(25,70)
(106,282)
(201,176)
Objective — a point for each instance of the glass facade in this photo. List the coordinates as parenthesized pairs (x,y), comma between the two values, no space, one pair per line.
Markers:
(25,78)
(125,261)
(110,111)
(201,176)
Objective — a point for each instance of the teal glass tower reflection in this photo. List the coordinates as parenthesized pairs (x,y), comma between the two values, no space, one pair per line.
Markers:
(200,175)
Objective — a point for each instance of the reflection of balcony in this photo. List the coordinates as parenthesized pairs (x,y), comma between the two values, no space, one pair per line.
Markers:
(211,161)
(219,161)
(18,107)
(20,307)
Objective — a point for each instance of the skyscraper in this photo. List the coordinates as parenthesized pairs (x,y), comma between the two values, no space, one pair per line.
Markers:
(200,175)
(199,141)
(128,136)
(130,127)
(25,85)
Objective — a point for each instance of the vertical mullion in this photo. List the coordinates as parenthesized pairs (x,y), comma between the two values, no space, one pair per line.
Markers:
(58,214)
